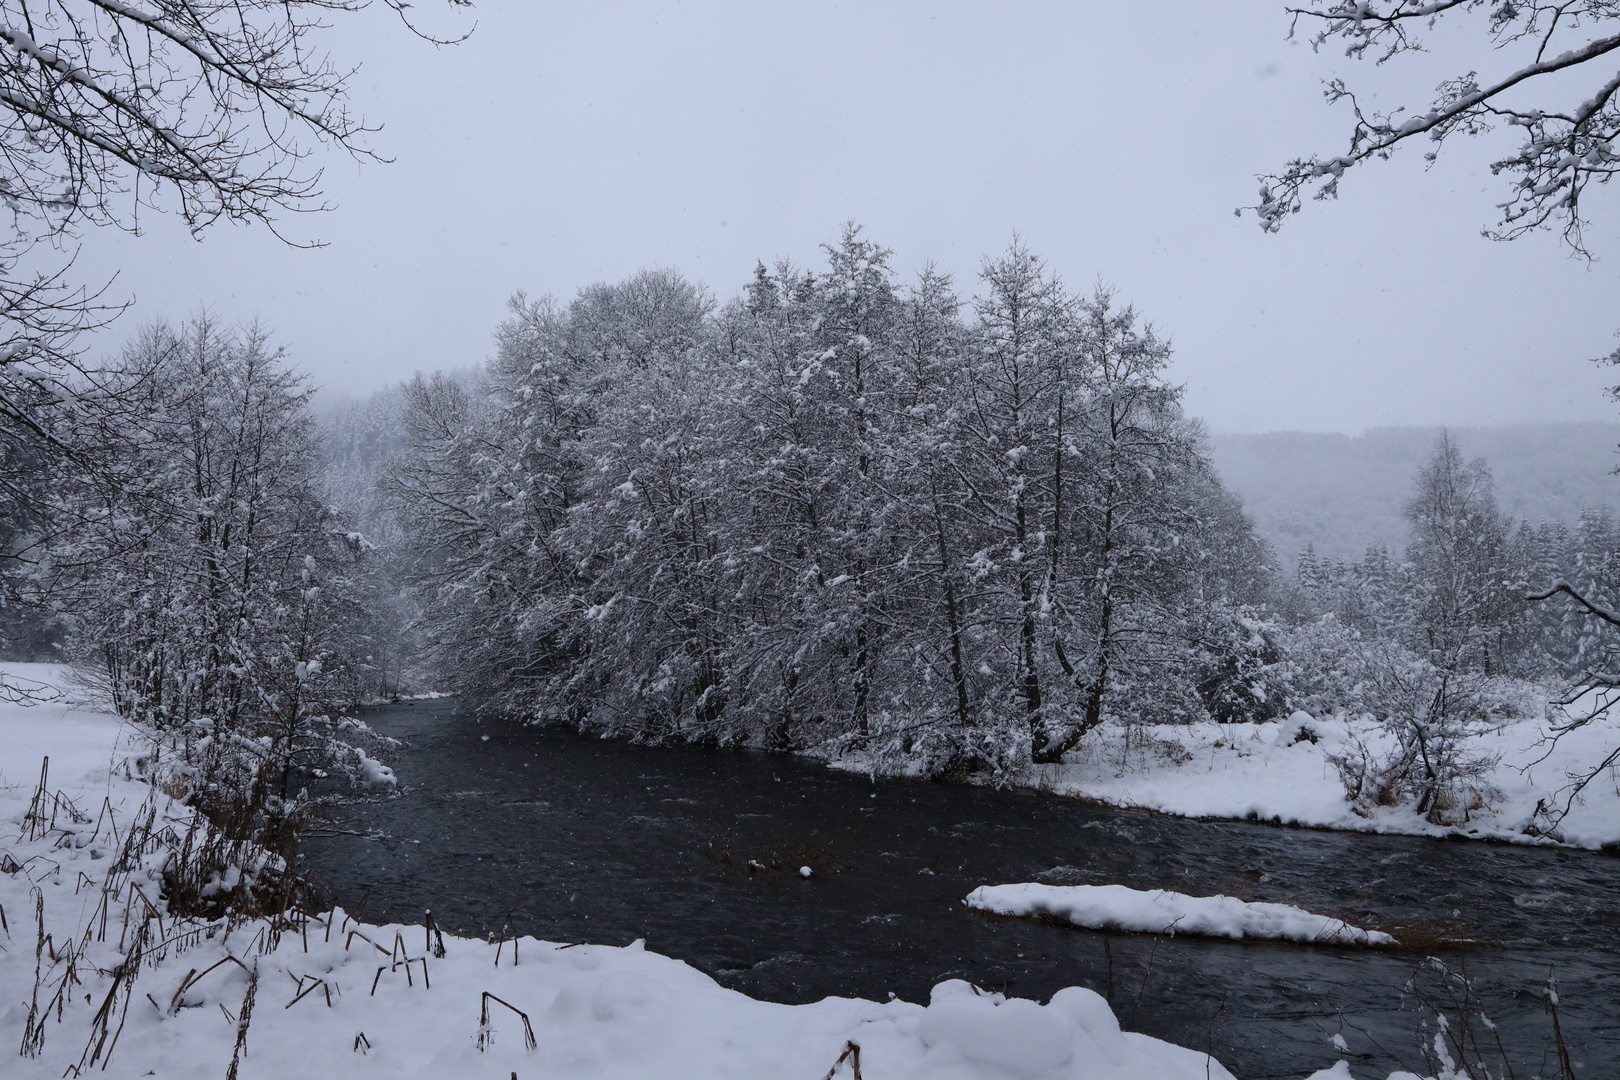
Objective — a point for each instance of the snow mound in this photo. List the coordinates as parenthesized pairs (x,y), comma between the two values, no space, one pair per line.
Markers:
(1116,907)
(965,1032)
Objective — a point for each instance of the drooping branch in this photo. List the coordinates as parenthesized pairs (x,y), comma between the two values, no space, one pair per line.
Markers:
(1610,617)
(1553,810)
(1563,151)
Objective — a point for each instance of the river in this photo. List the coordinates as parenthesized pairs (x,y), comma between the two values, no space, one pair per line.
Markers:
(697,851)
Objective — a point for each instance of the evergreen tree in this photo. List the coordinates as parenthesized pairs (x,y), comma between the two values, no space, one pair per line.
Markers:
(1461,570)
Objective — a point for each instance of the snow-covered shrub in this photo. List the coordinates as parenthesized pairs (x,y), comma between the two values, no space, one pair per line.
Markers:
(1243,674)
(1434,716)
(1414,726)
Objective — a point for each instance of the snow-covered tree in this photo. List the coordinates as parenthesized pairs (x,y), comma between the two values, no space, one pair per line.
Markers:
(1587,558)
(1137,500)
(487,480)
(832,512)
(217,598)
(210,109)
(1434,650)
(1467,592)
(1024,369)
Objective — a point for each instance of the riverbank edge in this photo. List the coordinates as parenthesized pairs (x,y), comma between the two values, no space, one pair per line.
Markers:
(178,992)
(1288,785)
(1292,772)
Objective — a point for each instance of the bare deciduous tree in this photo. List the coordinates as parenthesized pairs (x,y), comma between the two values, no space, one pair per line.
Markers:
(209,108)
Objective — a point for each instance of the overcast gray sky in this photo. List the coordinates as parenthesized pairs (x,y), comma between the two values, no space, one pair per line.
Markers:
(568,143)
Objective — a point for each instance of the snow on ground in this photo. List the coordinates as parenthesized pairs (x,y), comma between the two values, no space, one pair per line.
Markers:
(1116,907)
(79,741)
(1267,771)
(337,998)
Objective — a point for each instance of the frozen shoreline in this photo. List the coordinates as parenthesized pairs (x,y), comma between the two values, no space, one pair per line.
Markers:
(1266,772)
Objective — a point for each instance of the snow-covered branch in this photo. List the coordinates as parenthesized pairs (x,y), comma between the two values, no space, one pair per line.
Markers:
(1564,149)
(1610,617)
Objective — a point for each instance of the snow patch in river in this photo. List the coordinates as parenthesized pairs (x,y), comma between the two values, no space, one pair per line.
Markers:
(1116,907)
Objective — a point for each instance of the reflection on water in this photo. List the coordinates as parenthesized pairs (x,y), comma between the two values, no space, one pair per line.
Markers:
(699,852)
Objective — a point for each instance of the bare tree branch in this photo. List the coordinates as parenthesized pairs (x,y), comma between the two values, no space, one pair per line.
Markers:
(1564,149)
(210,108)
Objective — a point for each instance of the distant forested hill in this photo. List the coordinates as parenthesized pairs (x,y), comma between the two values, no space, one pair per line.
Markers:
(1343,493)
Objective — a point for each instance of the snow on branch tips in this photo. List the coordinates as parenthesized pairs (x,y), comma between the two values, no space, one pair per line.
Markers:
(1566,144)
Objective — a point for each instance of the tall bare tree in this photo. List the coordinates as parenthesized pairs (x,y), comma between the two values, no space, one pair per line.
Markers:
(211,109)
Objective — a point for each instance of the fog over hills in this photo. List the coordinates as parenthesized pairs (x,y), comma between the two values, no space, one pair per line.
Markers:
(1343,493)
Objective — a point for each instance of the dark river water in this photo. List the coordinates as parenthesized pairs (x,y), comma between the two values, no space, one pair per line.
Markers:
(579,839)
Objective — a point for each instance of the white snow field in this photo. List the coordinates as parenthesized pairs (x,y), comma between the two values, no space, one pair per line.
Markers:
(1116,907)
(1266,771)
(338,998)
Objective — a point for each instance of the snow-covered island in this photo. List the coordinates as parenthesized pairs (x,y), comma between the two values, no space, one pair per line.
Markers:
(1116,907)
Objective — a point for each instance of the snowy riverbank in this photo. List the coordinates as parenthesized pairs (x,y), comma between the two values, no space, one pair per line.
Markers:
(1277,773)
(1268,771)
(329,996)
